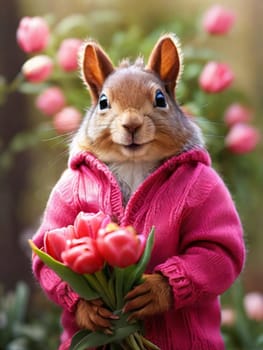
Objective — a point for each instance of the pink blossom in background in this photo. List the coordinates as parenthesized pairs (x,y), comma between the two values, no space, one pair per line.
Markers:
(228,317)
(37,68)
(32,34)
(253,303)
(218,20)
(67,55)
(51,100)
(236,113)
(67,120)
(242,138)
(215,77)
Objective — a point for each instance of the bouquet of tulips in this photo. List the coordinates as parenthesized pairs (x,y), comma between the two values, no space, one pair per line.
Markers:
(100,259)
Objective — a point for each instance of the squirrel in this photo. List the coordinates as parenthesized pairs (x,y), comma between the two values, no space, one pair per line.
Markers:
(140,159)
(135,122)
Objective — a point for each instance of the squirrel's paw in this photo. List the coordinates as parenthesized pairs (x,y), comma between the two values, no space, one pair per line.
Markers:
(92,315)
(152,297)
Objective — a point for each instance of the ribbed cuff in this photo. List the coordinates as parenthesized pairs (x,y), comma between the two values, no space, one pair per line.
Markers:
(67,296)
(182,287)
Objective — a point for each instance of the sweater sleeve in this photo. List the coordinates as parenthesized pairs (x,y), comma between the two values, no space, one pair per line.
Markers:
(212,252)
(60,211)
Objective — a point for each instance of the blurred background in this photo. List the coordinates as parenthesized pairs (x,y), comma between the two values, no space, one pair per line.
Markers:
(33,154)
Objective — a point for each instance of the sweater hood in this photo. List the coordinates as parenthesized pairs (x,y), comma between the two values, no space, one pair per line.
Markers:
(197,155)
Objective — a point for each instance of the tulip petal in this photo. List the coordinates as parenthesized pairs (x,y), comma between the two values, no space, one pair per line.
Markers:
(135,275)
(77,282)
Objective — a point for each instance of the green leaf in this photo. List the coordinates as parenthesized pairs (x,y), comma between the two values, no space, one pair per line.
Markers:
(31,88)
(78,337)
(138,269)
(76,24)
(77,282)
(82,342)
(20,302)
(260,340)
(33,332)
(18,344)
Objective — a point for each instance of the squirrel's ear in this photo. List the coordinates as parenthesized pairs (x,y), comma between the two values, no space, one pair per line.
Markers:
(95,67)
(166,60)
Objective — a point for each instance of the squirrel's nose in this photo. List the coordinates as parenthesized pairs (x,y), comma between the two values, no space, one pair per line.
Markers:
(132,122)
(131,127)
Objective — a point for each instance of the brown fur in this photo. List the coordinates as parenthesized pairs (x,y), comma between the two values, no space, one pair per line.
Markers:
(154,296)
(133,137)
(131,88)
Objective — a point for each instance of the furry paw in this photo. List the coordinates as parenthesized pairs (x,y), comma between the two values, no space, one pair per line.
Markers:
(153,296)
(92,315)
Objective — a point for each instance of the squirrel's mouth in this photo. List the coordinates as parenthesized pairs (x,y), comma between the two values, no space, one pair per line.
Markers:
(133,146)
(134,149)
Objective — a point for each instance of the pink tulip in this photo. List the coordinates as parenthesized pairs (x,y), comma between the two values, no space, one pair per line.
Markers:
(68,54)
(55,241)
(236,113)
(82,256)
(253,303)
(32,34)
(215,77)
(37,68)
(218,20)
(51,100)
(120,247)
(228,317)
(242,138)
(88,224)
(67,120)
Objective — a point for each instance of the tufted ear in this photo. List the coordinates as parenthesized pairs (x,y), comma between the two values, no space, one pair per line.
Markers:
(165,60)
(95,67)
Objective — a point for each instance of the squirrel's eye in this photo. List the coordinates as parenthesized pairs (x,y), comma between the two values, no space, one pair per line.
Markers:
(160,99)
(103,102)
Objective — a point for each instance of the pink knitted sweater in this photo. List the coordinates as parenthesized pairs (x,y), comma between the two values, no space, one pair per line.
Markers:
(198,241)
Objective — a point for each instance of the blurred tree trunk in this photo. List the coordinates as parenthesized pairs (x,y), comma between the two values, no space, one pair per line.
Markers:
(14,265)
(256,49)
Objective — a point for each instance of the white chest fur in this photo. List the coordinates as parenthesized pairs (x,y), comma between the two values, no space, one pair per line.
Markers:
(130,175)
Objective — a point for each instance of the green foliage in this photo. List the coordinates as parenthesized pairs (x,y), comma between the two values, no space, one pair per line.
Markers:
(244,333)
(20,329)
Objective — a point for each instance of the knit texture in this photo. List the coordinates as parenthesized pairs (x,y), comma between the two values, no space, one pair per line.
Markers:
(198,241)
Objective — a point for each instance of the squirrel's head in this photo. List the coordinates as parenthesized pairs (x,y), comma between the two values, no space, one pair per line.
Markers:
(134,115)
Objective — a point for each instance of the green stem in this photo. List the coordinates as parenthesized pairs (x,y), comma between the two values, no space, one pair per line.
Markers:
(242,324)
(119,274)
(13,86)
(133,343)
(93,281)
(138,338)
(149,344)
(100,276)
(111,291)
